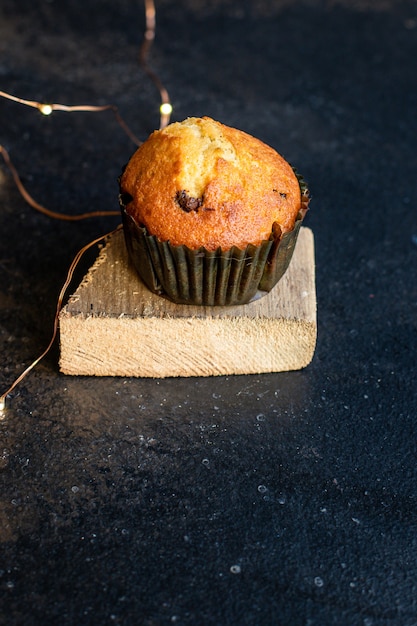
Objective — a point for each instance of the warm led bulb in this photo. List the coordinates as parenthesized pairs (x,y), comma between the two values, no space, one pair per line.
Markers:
(166,108)
(46,109)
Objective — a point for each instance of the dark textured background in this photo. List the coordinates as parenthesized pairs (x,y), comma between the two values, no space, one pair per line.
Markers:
(285,498)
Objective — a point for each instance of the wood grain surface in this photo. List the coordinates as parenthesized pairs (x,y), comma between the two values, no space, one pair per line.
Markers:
(114,326)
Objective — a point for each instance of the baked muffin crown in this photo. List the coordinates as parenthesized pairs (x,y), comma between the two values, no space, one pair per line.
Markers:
(200,183)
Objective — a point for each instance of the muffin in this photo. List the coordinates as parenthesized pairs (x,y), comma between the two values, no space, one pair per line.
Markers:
(210,213)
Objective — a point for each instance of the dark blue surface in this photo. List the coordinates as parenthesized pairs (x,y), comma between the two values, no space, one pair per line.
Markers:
(282,499)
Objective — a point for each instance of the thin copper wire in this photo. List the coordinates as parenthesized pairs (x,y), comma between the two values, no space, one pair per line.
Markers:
(38,207)
(46,109)
(56,318)
(150,17)
(42,107)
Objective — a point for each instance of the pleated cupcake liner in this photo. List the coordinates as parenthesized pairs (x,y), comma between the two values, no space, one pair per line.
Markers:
(211,278)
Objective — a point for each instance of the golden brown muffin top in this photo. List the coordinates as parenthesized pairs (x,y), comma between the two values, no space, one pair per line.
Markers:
(201,183)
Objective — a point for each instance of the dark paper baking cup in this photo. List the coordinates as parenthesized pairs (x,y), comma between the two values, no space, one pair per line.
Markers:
(205,277)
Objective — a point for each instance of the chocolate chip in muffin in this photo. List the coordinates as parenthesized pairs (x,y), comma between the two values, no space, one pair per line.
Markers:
(188,203)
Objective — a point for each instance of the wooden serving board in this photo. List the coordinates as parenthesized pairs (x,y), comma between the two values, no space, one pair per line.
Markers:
(114,326)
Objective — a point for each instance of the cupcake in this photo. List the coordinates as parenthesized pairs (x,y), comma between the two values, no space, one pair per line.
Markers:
(210,213)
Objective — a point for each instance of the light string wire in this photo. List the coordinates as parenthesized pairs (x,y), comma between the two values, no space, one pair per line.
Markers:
(46,109)
(38,207)
(61,296)
(150,16)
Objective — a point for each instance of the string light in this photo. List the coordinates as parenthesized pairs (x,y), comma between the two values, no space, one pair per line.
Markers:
(166,107)
(150,16)
(61,296)
(38,207)
(47,109)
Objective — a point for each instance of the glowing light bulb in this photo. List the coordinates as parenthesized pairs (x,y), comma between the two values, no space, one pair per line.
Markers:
(166,108)
(45,109)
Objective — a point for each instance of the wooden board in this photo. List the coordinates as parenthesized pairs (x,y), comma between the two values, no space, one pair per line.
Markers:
(114,326)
